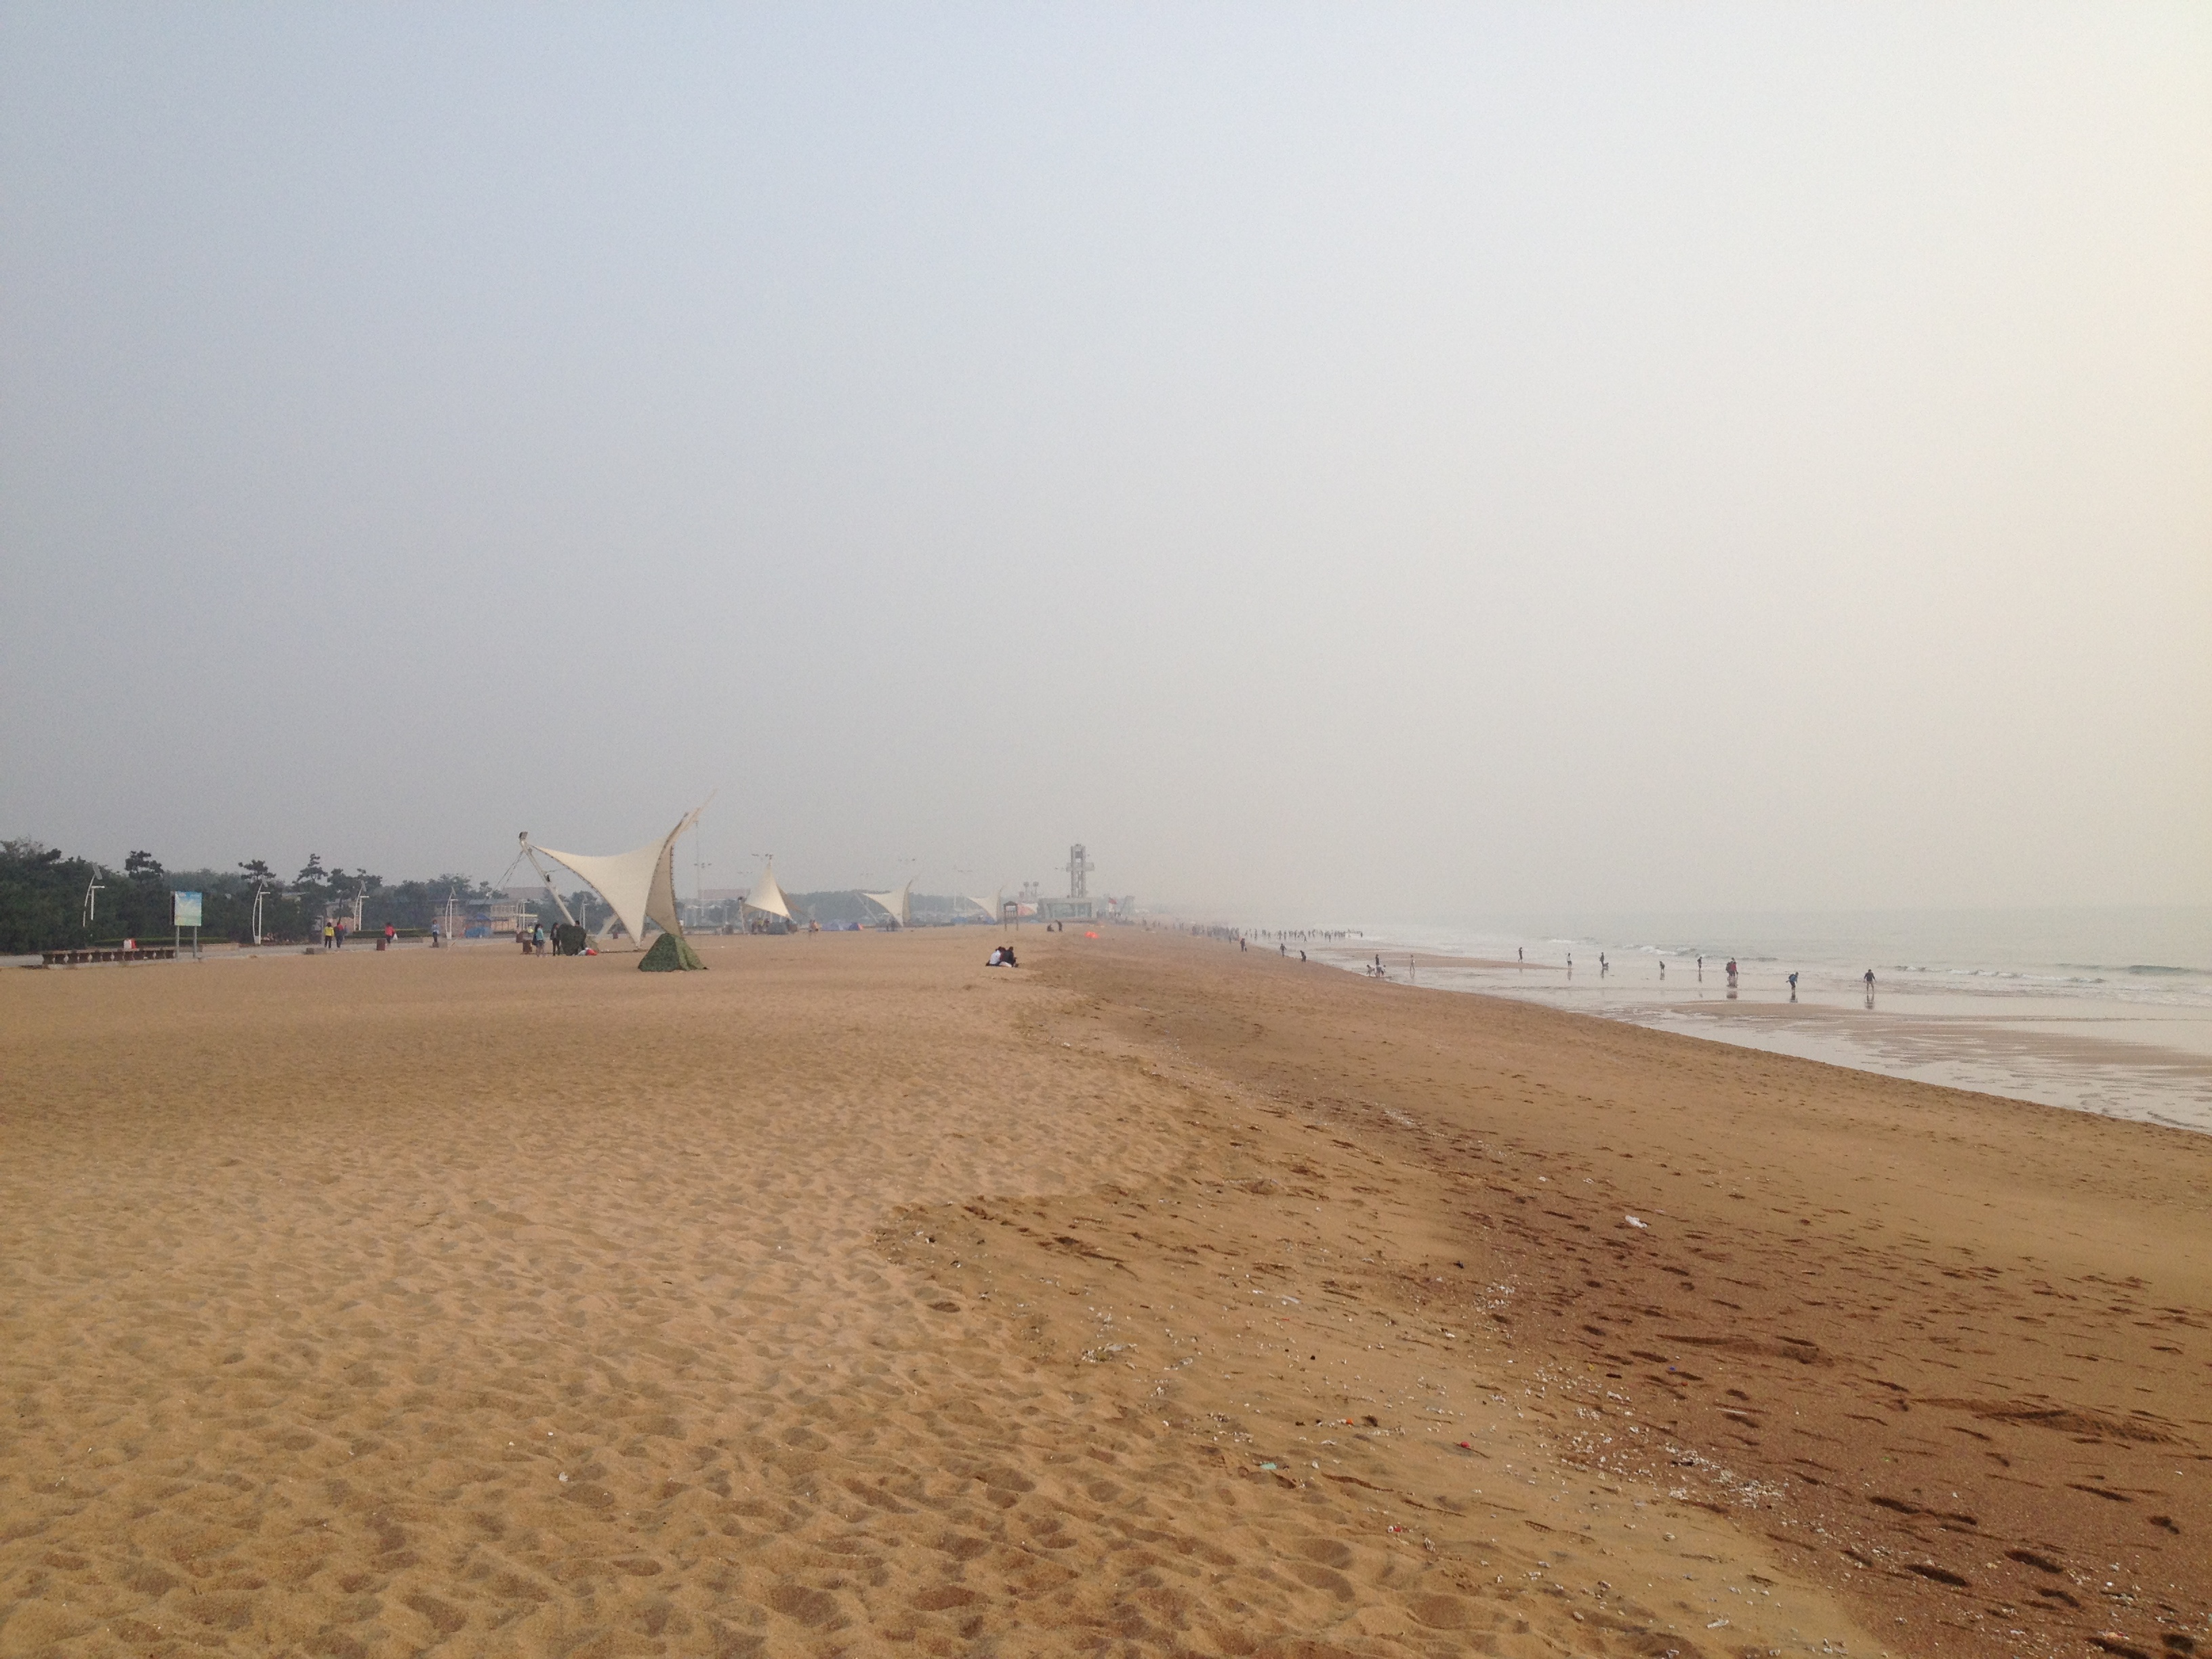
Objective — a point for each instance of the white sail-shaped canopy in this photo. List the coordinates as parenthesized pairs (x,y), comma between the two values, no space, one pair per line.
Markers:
(768,897)
(898,902)
(989,907)
(640,885)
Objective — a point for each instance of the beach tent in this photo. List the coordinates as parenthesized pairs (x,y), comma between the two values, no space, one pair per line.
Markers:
(897,902)
(990,910)
(768,897)
(639,886)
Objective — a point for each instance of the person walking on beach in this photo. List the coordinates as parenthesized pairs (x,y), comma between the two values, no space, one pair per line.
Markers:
(329,935)
(391,934)
(1662,969)
(1604,966)
(1870,982)
(1793,988)
(1731,971)
(1520,955)
(538,940)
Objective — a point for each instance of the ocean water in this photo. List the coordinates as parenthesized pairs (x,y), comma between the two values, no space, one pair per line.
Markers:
(2107,1011)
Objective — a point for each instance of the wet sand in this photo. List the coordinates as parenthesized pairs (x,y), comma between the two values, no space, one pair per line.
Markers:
(852,1298)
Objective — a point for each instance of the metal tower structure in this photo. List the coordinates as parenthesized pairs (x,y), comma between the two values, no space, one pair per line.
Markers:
(1079,867)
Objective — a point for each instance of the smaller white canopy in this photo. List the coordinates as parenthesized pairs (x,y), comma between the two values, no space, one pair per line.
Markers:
(989,909)
(768,897)
(897,902)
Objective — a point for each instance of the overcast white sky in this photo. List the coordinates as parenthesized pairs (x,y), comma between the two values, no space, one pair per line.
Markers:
(1354,461)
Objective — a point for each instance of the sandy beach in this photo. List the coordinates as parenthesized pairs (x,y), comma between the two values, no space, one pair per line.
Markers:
(1153,1297)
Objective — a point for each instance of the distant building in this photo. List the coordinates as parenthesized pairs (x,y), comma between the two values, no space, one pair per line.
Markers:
(503,915)
(1078,905)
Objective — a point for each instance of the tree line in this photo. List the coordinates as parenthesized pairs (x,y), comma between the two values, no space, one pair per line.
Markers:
(44,899)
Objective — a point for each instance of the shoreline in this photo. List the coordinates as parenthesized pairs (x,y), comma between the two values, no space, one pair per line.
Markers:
(2114,1058)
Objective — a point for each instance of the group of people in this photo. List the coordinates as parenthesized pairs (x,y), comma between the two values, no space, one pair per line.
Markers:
(1002,955)
(335,931)
(566,939)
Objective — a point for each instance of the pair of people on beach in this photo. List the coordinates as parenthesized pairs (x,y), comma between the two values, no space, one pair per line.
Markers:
(1002,955)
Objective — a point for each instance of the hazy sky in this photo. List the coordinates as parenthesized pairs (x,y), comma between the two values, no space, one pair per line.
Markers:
(1352,461)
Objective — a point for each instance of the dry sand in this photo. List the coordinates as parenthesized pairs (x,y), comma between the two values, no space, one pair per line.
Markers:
(850,1297)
